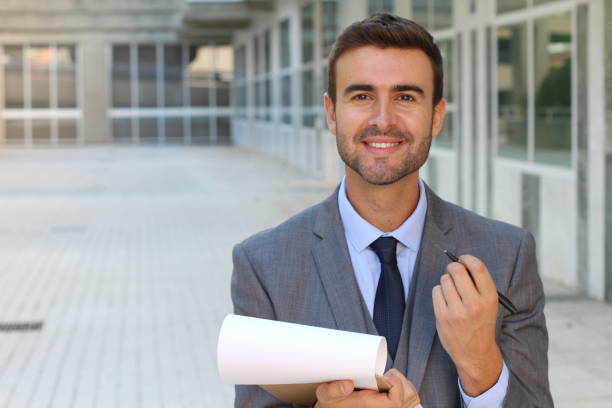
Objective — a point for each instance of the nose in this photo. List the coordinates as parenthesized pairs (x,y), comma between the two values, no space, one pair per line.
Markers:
(382,115)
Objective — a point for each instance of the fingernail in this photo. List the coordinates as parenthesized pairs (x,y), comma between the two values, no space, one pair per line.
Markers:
(344,388)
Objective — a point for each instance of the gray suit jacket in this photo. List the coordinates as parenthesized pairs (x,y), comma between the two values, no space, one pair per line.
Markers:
(301,272)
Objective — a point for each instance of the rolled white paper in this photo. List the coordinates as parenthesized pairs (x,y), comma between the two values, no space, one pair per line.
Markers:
(260,351)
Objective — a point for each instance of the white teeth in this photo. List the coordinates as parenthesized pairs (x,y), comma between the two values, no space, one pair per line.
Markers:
(383,145)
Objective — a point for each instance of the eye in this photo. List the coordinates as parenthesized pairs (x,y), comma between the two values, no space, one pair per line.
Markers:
(406,98)
(360,97)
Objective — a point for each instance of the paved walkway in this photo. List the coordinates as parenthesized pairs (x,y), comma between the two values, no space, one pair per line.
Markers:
(124,254)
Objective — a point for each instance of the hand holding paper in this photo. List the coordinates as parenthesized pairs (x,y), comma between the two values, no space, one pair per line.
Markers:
(290,360)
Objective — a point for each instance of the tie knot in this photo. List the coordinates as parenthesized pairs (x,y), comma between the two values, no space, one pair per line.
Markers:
(385,248)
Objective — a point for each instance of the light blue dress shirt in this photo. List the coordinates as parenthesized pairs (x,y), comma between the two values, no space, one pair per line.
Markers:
(360,234)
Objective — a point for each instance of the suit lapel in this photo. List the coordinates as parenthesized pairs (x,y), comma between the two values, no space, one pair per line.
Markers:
(438,234)
(335,269)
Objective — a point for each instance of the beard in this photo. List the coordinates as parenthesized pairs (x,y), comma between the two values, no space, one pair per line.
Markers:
(381,172)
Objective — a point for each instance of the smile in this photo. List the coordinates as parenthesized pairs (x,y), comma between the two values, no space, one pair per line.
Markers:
(382,145)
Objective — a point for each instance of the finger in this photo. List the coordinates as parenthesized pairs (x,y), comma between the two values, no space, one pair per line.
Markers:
(408,393)
(480,273)
(334,391)
(462,280)
(396,392)
(453,300)
(439,303)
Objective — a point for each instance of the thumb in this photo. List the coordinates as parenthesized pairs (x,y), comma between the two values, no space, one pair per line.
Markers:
(333,391)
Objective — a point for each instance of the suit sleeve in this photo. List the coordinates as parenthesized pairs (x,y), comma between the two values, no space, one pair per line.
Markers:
(524,339)
(250,298)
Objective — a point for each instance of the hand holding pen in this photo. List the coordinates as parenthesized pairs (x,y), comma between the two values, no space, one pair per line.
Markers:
(465,307)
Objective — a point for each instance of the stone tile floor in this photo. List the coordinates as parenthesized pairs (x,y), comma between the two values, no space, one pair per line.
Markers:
(124,253)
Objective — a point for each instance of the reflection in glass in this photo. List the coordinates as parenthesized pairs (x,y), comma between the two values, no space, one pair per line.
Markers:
(553,99)
(200,130)
(13,77)
(445,137)
(512,91)
(307,33)
(67,130)
(122,129)
(14,131)
(286,99)
(121,76)
(41,131)
(419,12)
(147,76)
(39,58)
(285,44)
(224,62)
(267,54)
(380,5)
(447,51)
(308,90)
(510,5)
(223,129)
(147,129)
(65,60)
(443,14)
(198,71)
(256,60)
(329,18)
(268,90)
(173,76)
(174,129)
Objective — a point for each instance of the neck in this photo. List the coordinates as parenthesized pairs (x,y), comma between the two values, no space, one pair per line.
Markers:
(385,207)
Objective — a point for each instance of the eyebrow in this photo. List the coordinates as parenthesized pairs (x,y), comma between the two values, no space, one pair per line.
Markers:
(396,88)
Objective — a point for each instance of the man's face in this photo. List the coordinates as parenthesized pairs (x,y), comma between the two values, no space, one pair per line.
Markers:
(384,118)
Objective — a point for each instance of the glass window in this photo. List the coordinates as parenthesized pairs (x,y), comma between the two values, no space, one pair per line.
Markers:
(224,62)
(223,129)
(420,12)
(41,131)
(147,76)
(307,33)
(65,60)
(147,128)
(121,76)
(268,90)
(447,51)
(39,58)
(174,129)
(380,5)
(173,76)
(538,2)
(285,44)
(286,98)
(67,131)
(14,131)
(445,137)
(122,129)
(329,18)
(256,59)
(553,98)
(510,5)
(240,62)
(200,130)
(442,14)
(512,90)
(198,71)
(13,77)
(267,53)
(308,92)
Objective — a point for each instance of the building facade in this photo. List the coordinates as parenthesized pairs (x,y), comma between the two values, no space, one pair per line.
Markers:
(134,71)
(527,137)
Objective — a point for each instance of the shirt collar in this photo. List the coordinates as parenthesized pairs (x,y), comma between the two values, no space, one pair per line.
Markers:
(361,233)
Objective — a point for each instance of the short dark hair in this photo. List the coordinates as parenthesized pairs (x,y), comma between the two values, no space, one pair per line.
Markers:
(384,30)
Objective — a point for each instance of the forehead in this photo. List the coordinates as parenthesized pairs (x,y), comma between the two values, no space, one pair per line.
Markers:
(384,66)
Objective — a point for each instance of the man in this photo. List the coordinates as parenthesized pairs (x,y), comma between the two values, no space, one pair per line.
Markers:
(370,258)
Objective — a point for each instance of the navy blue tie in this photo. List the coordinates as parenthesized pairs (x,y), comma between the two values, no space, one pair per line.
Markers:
(389,304)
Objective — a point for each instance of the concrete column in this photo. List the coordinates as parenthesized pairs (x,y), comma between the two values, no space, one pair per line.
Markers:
(96,88)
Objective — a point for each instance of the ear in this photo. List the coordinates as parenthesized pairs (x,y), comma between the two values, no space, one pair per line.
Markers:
(438,117)
(330,113)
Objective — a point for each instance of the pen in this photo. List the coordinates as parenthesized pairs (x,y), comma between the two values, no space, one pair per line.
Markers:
(503,300)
